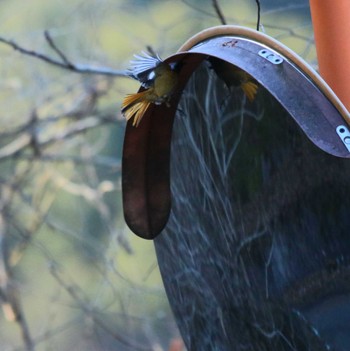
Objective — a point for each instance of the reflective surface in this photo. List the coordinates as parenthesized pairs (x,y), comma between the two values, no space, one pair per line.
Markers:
(255,255)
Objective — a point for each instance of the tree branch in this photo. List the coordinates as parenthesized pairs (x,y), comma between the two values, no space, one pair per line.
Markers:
(219,12)
(64,62)
(57,50)
(24,139)
(10,300)
(258,19)
(83,304)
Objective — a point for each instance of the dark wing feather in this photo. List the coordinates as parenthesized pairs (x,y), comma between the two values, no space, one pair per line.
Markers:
(142,69)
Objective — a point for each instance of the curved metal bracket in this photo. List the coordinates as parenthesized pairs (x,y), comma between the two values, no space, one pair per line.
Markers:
(293,83)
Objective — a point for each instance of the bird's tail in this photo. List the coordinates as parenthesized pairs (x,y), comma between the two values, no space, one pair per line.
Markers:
(250,89)
(135,105)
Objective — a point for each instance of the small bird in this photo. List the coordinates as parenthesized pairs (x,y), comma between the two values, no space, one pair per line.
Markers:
(234,76)
(159,80)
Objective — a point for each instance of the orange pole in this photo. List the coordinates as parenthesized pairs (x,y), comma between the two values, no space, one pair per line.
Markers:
(331,22)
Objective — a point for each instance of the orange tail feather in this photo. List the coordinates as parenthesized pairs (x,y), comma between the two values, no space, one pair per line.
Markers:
(132,99)
(137,111)
(135,105)
(250,90)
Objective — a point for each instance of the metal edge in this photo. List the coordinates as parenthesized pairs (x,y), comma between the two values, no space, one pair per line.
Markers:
(276,45)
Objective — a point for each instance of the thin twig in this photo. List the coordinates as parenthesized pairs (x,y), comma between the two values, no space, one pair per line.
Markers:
(198,9)
(57,50)
(8,290)
(22,141)
(151,50)
(258,20)
(219,12)
(100,161)
(83,304)
(65,64)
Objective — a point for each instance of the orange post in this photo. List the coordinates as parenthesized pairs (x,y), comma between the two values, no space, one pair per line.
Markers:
(331,22)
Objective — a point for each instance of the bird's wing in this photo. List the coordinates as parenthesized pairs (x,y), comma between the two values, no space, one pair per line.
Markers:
(142,68)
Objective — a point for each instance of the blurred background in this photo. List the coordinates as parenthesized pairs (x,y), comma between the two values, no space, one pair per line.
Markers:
(71,273)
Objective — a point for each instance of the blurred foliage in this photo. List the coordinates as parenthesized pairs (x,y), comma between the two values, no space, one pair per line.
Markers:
(80,278)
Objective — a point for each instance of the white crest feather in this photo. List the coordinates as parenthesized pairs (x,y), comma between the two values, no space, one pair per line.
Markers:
(144,64)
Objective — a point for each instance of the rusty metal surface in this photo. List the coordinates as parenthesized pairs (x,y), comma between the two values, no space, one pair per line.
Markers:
(146,162)
(146,153)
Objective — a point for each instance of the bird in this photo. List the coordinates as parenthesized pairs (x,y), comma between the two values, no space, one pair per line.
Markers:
(159,80)
(234,76)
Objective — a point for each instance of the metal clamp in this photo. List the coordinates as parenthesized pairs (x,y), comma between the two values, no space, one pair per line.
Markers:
(344,135)
(270,56)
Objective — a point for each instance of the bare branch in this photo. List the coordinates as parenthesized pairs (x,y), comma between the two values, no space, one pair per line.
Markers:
(100,161)
(197,8)
(15,146)
(9,293)
(219,12)
(64,63)
(73,293)
(76,128)
(25,138)
(258,19)
(57,50)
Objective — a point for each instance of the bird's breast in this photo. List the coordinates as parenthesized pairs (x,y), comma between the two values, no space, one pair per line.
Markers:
(165,84)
